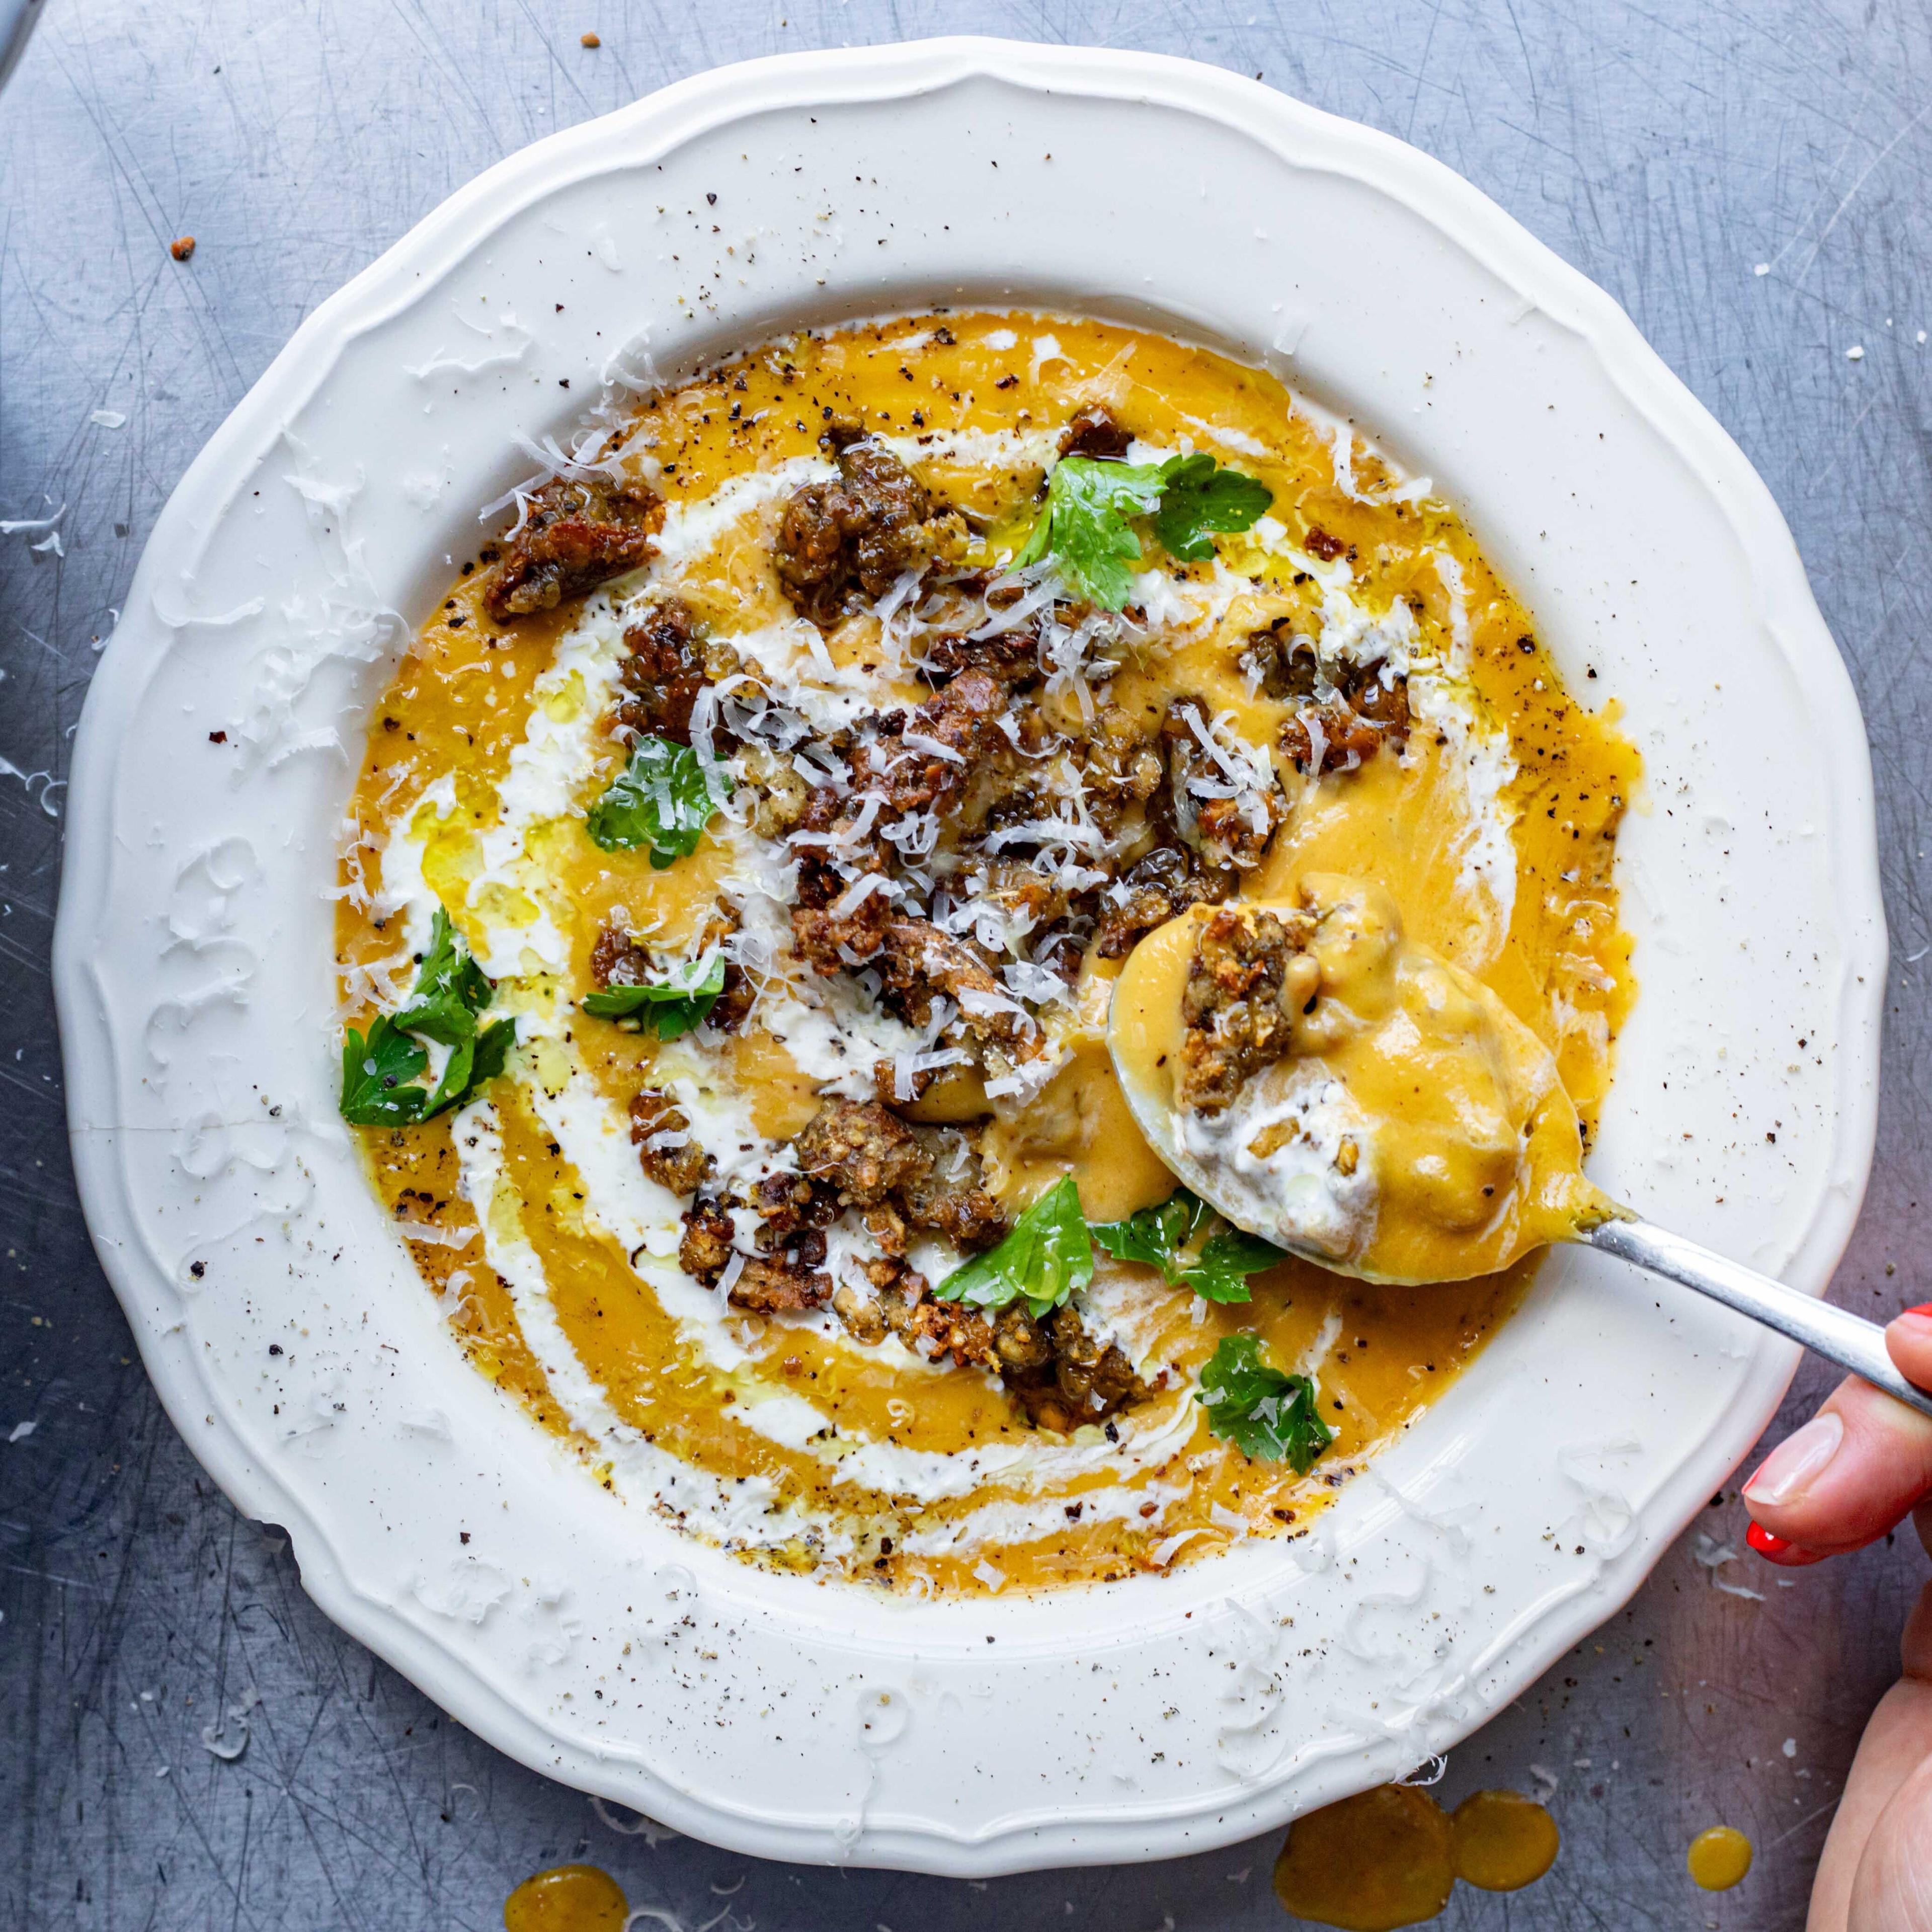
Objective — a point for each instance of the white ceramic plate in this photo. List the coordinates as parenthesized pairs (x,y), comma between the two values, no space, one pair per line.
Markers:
(434,1521)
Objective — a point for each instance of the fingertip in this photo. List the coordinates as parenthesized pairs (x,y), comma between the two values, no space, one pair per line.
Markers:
(1908,1339)
(1851,1474)
(1780,1549)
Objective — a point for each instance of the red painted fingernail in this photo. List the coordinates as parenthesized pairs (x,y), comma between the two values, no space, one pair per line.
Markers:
(1780,1549)
(1923,1308)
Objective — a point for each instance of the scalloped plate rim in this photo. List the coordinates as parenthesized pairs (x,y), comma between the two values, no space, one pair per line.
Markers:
(698,105)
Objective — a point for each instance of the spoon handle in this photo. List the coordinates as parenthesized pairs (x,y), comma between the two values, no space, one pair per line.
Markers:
(1839,1336)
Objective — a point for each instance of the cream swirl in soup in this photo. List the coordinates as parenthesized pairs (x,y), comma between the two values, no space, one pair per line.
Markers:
(737,878)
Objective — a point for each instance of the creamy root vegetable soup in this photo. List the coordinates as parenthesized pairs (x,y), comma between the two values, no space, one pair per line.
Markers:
(743,860)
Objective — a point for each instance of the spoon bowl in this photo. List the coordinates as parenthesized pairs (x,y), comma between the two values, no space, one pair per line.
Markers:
(1324,1082)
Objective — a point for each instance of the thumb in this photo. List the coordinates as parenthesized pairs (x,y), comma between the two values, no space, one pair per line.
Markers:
(1892,1891)
(1873,1876)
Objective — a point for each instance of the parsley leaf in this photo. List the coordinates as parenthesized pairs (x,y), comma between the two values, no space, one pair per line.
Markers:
(1154,1236)
(450,988)
(1084,525)
(1198,495)
(380,1087)
(476,1059)
(674,1004)
(1157,1236)
(1221,1272)
(1266,1414)
(1048,1255)
(492,1053)
(1090,499)
(376,1074)
(661,799)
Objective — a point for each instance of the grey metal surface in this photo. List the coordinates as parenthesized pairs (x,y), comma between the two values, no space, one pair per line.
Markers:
(1665,151)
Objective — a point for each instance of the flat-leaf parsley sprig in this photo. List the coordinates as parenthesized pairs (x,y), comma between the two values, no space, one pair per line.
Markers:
(1045,1260)
(1201,499)
(1049,1253)
(1084,526)
(663,799)
(451,988)
(672,1006)
(1049,1258)
(1163,1237)
(1267,1415)
(380,1083)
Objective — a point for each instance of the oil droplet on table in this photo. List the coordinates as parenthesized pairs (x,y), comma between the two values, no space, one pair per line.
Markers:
(1504,1841)
(567,1898)
(1381,1859)
(1390,1857)
(1719,1858)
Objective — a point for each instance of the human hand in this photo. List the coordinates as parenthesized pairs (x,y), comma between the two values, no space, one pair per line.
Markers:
(1853,1472)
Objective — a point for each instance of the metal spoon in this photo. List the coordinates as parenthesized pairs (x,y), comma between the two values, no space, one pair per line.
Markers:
(1839,1336)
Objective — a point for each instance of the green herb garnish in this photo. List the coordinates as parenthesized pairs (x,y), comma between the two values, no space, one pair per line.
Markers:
(1226,1260)
(661,799)
(1050,1252)
(1199,496)
(674,1005)
(380,1087)
(1090,499)
(1159,1237)
(1154,1236)
(1266,1414)
(1046,1258)
(480,1058)
(377,1074)
(450,989)
(1084,525)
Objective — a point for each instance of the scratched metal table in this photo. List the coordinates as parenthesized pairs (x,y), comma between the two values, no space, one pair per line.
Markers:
(1749,179)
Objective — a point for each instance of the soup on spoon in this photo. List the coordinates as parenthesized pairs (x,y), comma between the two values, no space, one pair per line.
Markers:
(1324,1081)
(1345,1090)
